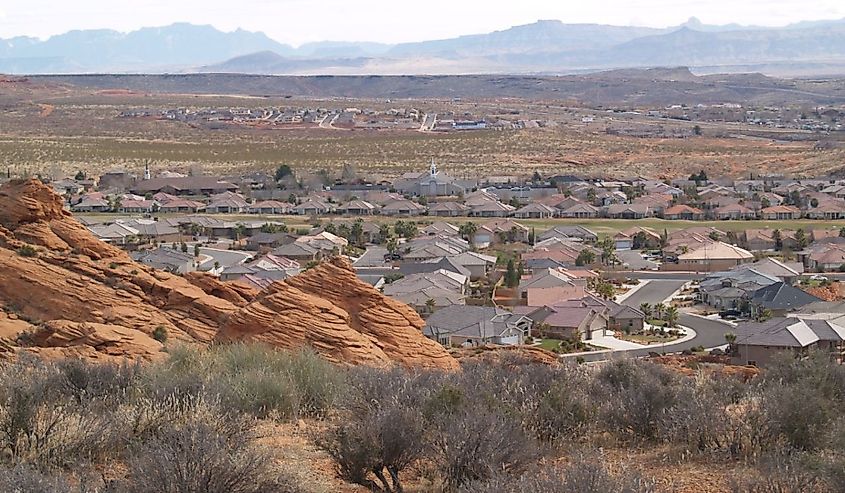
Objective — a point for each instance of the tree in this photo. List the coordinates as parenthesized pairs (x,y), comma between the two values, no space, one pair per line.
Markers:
(646,309)
(670,316)
(196,249)
(330,228)
(605,289)
(532,236)
(184,247)
(292,199)
(511,276)
(356,233)
(639,241)
(778,238)
(239,230)
(696,130)
(392,245)
(80,175)
(383,233)
(585,257)
(842,232)
(608,250)
(715,236)
(591,195)
(468,230)
(801,239)
(283,171)
(429,305)
(765,203)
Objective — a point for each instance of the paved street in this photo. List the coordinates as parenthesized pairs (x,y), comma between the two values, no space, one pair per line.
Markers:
(709,333)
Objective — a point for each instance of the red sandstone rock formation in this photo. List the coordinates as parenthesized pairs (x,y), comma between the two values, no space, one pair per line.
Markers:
(81,297)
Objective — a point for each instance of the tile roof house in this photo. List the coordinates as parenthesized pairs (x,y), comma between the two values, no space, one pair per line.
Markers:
(269,207)
(186,185)
(535,211)
(404,207)
(733,211)
(448,209)
(714,256)
(580,211)
(550,286)
(441,228)
(683,212)
(569,232)
(227,203)
(780,213)
(628,211)
(757,343)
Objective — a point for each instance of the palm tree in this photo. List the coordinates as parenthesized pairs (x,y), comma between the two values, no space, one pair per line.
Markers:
(658,310)
(468,230)
(646,309)
(671,316)
(730,337)
(429,305)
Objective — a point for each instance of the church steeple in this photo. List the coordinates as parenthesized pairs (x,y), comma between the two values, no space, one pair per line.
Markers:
(147,174)
(433,170)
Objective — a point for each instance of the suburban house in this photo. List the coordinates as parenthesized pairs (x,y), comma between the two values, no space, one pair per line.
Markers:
(166,259)
(404,208)
(429,291)
(184,185)
(780,213)
(476,326)
(683,212)
(441,228)
(507,230)
(733,211)
(313,207)
(569,232)
(270,207)
(268,241)
(760,240)
(758,342)
(712,257)
(550,286)
(358,208)
(779,298)
(580,211)
(629,211)
(575,319)
(263,271)
(535,211)
(731,290)
(478,265)
(227,203)
(448,209)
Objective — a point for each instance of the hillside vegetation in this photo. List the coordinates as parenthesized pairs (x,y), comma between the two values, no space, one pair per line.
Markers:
(214,421)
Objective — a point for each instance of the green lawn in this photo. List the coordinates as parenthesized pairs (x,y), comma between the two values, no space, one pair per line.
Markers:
(600,226)
(549,344)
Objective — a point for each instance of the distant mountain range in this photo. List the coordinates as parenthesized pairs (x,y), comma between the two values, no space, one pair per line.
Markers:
(544,47)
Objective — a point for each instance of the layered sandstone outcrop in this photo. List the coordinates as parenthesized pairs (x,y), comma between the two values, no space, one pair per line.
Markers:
(340,316)
(78,296)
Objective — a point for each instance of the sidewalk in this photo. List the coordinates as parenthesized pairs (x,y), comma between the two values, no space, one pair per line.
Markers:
(613,343)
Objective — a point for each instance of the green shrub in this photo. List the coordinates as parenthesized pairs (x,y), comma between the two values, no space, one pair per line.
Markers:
(160,334)
(27,251)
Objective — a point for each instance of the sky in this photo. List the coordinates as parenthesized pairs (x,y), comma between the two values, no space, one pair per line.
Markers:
(391,21)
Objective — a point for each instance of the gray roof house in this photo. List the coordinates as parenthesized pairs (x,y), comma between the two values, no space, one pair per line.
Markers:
(780,298)
(477,325)
(758,342)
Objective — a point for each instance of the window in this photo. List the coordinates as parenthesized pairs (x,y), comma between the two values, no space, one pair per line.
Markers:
(751,363)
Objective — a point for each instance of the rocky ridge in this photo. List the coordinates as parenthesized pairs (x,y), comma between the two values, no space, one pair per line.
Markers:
(65,293)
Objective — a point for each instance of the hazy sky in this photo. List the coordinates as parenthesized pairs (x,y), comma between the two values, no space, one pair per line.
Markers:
(299,21)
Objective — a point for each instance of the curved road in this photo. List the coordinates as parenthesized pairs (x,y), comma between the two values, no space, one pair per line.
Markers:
(708,333)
